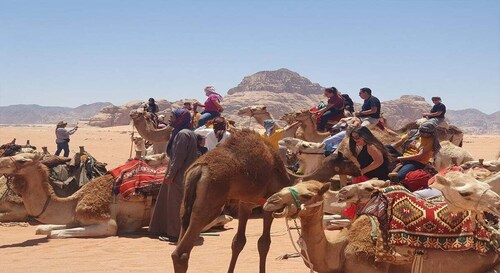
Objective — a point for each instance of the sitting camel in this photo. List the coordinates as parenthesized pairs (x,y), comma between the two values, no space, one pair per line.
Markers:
(11,205)
(90,212)
(353,250)
(464,192)
(309,154)
(450,155)
(261,114)
(307,124)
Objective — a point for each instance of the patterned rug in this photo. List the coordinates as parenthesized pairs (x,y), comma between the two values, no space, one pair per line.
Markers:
(137,177)
(420,223)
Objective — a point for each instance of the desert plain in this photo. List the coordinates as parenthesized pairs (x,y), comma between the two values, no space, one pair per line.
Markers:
(23,251)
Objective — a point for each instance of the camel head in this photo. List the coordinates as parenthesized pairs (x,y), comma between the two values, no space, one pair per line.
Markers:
(250,111)
(464,192)
(297,201)
(296,145)
(361,192)
(15,165)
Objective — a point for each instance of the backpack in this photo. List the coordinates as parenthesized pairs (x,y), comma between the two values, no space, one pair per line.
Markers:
(416,180)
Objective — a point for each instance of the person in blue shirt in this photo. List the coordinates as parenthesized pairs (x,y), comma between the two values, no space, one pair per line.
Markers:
(370,111)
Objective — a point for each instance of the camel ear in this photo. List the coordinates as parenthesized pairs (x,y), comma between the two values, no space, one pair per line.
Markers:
(264,108)
(325,188)
(442,181)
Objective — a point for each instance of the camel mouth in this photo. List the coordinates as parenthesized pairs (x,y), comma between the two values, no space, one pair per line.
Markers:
(281,212)
(345,198)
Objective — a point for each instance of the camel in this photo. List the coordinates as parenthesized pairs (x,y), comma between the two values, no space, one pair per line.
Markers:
(307,124)
(92,211)
(260,114)
(11,205)
(142,122)
(464,192)
(450,155)
(353,250)
(230,171)
(452,134)
(309,160)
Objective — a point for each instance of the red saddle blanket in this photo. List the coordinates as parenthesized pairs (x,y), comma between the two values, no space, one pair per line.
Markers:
(419,223)
(135,176)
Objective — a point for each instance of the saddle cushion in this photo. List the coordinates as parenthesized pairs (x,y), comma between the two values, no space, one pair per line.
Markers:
(136,176)
(421,223)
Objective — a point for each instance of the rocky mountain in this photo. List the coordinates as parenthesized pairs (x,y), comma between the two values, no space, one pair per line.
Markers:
(36,114)
(282,91)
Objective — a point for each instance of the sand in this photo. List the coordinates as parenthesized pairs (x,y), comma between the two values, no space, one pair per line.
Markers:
(23,251)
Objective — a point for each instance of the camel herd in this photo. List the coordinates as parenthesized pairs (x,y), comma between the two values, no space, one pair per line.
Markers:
(247,169)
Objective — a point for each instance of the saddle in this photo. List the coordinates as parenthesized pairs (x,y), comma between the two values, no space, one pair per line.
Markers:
(408,221)
(138,178)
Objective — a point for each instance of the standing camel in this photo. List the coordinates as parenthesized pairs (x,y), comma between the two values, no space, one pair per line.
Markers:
(244,168)
(353,250)
(142,122)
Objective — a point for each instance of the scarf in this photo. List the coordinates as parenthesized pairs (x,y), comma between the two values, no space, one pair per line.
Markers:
(211,89)
(182,121)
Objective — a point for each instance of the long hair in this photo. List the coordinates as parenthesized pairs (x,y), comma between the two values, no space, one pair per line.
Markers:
(369,138)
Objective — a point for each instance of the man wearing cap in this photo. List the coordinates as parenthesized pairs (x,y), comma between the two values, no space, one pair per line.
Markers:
(437,112)
(370,111)
(62,138)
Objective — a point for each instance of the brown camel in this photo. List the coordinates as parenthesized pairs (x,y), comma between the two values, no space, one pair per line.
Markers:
(260,114)
(11,205)
(353,250)
(307,125)
(230,171)
(452,134)
(142,122)
(90,212)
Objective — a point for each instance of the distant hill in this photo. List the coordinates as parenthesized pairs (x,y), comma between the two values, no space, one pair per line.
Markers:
(282,91)
(36,114)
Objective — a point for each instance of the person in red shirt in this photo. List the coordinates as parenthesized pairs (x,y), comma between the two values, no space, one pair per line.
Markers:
(334,107)
(212,106)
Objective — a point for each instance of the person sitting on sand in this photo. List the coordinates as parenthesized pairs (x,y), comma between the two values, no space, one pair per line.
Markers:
(62,138)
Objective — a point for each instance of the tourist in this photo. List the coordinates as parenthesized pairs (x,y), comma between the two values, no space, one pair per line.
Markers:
(182,151)
(273,135)
(418,147)
(201,145)
(216,135)
(334,107)
(151,106)
(370,153)
(348,103)
(370,111)
(437,112)
(332,142)
(212,106)
(62,138)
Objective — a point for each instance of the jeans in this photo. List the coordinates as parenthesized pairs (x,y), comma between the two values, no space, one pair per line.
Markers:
(62,146)
(325,118)
(408,167)
(206,116)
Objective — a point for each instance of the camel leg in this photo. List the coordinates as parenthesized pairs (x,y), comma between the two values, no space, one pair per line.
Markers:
(206,208)
(46,229)
(265,241)
(239,239)
(108,228)
(343,180)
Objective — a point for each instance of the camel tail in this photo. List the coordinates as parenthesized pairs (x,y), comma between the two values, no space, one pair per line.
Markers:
(192,178)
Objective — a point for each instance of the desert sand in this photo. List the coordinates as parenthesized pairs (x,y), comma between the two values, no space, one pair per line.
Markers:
(23,251)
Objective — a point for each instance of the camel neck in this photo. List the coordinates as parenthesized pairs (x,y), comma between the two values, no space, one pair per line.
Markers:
(36,193)
(148,132)
(324,255)
(310,131)
(263,116)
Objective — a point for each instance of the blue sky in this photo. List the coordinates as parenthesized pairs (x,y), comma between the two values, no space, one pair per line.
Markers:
(67,53)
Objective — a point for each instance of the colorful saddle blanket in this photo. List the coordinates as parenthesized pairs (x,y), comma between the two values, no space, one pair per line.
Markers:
(137,177)
(406,220)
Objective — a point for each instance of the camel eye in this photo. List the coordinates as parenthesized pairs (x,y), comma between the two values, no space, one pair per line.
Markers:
(369,189)
(306,196)
(465,193)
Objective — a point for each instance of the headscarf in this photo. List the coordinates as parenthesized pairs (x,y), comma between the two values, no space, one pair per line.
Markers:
(219,127)
(182,121)
(430,127)
(211,89)
(269,125)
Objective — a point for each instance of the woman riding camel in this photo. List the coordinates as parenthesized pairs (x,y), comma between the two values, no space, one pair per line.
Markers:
(212,106)
(334,108)
(418,148)
(371,154)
